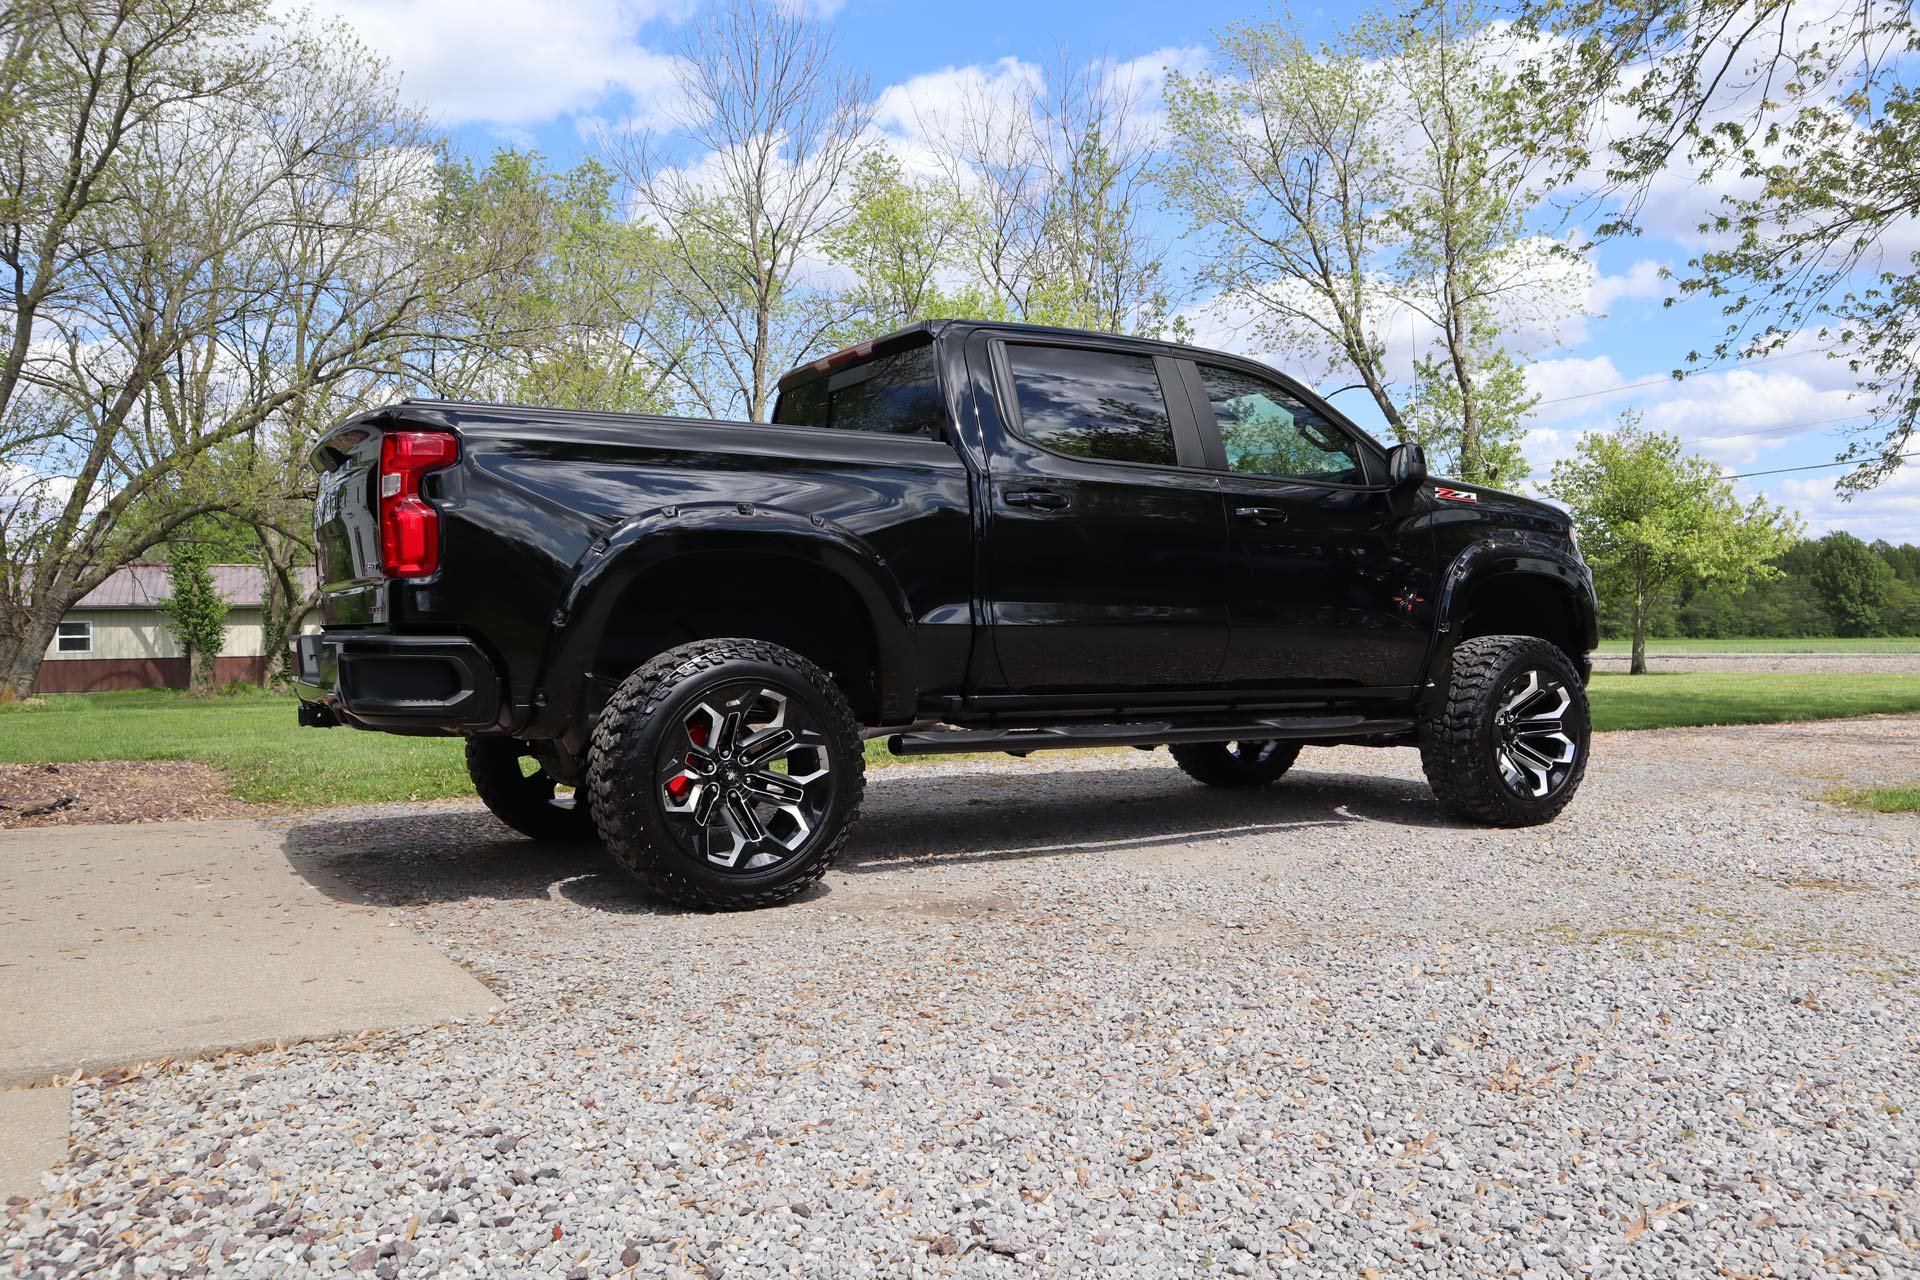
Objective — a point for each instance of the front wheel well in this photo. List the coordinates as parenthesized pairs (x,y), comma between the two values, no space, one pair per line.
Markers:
(792,602)
(1524,604)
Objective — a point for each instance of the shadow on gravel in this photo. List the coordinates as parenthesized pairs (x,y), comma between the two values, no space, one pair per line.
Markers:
(399,859)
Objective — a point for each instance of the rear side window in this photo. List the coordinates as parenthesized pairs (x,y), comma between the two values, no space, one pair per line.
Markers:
(1092,404)
(893,394)
(1269,431)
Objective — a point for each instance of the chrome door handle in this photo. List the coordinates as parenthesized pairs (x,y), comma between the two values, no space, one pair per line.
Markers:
(1261,515)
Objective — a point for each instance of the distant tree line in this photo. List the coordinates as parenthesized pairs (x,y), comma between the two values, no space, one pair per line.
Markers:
(1831,586)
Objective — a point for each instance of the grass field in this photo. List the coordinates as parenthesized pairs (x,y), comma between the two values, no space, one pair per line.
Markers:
(253,737)
(1817,644)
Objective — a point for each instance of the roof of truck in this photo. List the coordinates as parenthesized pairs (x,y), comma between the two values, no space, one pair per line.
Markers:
(931,329)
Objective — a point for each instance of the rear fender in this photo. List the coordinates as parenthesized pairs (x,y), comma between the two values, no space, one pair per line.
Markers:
(615,563)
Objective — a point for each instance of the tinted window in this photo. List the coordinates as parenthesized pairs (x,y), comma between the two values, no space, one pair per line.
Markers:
(895,394)
(1093,404)
(1269,431)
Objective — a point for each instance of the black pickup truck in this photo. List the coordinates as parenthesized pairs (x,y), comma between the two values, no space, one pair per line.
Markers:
(672,635)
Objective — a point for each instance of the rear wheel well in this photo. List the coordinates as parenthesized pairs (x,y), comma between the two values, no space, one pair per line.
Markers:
(788,601)
(1524,604)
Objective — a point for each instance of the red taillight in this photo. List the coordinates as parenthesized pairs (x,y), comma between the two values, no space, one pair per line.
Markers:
(409,528)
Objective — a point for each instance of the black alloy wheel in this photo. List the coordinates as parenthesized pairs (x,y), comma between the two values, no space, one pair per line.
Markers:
(1535,751)
(1508,745)
(745,776)
(726,773)
(513,784)
(1252,763)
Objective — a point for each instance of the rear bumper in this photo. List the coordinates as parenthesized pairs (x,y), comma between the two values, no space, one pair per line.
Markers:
(400,684)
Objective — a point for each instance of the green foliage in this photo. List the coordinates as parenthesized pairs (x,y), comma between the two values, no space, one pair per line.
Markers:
(1340,191)
(1856,586)
(195,613)
(581,317)
(1650,519)
(1807,120)
(1491,452)
(905,237)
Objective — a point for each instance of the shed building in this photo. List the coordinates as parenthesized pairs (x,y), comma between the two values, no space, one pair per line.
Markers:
(116,637)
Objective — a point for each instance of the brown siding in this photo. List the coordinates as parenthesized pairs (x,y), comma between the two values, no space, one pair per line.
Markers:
(95,675)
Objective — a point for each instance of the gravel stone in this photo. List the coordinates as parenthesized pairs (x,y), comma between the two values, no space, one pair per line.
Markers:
(1078,1016)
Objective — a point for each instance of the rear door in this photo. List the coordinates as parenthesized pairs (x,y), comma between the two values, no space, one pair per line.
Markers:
(1331,585)
(1104,544)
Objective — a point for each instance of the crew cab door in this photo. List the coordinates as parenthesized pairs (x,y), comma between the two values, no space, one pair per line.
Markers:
(1103,543)
(1331,583)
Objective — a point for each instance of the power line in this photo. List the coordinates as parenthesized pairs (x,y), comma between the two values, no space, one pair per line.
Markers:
(1774,431)
(1654,382)
(1814,466)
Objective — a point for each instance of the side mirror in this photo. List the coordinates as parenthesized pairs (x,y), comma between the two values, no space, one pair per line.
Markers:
(1406,468)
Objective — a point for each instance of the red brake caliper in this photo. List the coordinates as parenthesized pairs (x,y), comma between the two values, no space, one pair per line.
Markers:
(678,786)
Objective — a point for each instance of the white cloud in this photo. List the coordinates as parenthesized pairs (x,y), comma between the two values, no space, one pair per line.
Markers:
(1891,511)
(1641,280)
(513,63)
(1581,383)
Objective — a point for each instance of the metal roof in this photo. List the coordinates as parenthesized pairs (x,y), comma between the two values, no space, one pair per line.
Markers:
(145,585)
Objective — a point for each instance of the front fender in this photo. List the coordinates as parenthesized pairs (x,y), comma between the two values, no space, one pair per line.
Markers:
(1502,553)
(613,564)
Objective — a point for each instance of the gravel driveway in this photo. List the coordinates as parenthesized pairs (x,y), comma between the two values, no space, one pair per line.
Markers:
(1085,1017)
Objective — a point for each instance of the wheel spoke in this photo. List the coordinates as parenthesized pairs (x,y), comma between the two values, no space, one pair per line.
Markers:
(775,787)
(1542,743)
(1513,704)
(729,732)
(766,745)
(743,819)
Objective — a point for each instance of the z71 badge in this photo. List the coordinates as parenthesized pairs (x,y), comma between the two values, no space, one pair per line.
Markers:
(1456,495)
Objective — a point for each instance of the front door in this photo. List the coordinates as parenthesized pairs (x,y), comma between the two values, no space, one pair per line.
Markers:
(1332,584)
(1105,545)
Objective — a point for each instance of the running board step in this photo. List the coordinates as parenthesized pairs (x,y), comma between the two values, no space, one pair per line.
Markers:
(1142,734)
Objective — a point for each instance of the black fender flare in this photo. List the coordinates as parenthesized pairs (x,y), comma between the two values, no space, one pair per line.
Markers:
(616,561)
(1507,553)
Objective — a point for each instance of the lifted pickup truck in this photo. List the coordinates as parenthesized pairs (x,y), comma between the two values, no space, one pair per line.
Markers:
(672,635)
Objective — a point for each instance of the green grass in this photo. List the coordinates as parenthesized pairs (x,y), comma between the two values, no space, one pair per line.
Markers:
(1877,799)
(1815,644)
(254,738)
(1663,700)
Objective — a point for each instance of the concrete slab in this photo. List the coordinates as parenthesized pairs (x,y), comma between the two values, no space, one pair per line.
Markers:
(33,1137)
(121,944)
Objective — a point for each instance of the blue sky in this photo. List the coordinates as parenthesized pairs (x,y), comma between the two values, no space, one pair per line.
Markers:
(537,72)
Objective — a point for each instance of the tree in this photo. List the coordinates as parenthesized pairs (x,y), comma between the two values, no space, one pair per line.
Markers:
(1805,118)
(1341,190)
(775,125)
(571,304)
(244,234)
(905,234)
(1855,585)
(1437,414)
(1651,519)
(195,613)
(1048,183)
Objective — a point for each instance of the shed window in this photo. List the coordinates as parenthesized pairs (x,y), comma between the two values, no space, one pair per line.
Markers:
(74,637)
